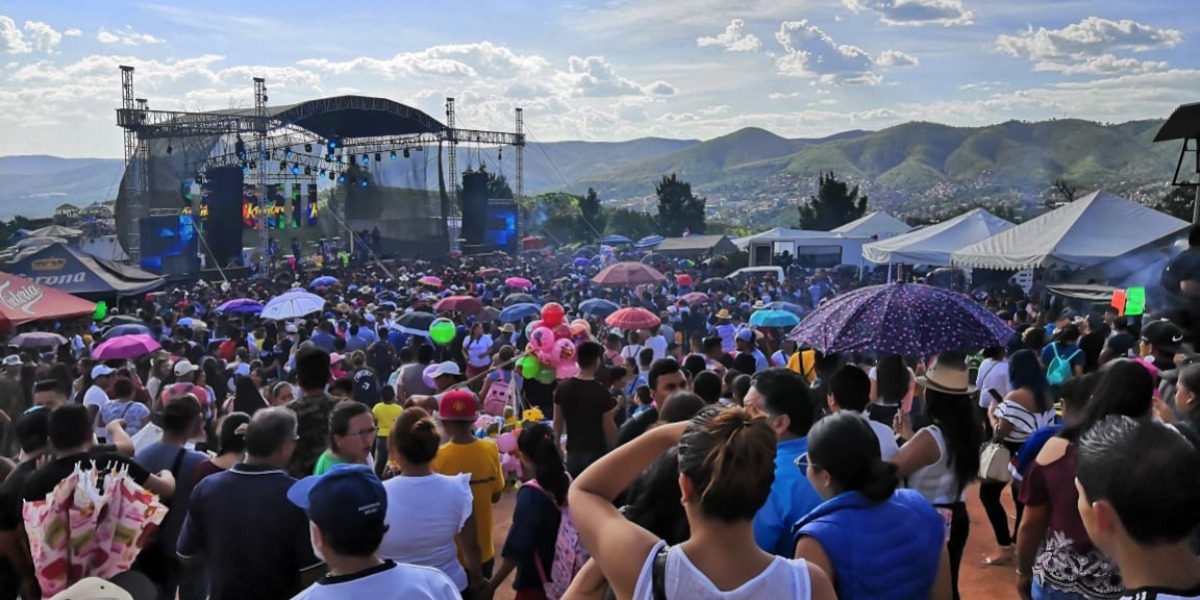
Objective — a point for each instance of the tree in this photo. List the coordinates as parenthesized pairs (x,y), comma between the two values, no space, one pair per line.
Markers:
(1066,192)
(679,210)
(592,214)
(1178,203)
(630,223)
(497,186)
(835,204)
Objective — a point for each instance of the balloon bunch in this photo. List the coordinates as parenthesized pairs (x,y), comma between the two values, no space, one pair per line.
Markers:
(552,341)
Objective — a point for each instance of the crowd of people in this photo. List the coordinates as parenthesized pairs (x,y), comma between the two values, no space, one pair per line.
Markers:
(341,454)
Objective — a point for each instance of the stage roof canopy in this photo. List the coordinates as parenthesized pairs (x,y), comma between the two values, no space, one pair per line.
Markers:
(349,117)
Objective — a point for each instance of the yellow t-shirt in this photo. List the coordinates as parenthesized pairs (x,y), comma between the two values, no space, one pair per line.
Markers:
(385,416)
(481,459)
(804,363)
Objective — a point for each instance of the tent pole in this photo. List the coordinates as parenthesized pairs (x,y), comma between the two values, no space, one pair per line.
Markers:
(889,271)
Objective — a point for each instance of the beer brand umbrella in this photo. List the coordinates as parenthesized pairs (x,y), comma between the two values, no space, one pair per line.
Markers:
(23,301)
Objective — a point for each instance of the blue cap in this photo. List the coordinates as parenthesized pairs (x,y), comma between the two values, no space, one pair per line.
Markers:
(746,335)
(347,497)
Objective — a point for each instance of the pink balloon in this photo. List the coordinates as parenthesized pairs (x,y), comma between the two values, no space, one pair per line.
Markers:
(511,464)
(546,357)
(562,332)
(532,326)
(542,339)
(426,376)
(506,442)
(566,370)
(563,352)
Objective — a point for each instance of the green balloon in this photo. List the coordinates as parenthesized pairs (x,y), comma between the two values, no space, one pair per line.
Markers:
(442,331)
(101,311)
(545,376)
(530,367)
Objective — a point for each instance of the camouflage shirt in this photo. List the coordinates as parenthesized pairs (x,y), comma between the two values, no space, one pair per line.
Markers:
(312,430)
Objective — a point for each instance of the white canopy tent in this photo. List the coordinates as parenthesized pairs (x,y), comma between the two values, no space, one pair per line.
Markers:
(878,225)
(1086,232)
(932,245)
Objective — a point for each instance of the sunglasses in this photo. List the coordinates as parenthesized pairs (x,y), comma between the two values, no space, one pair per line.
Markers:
(802,462)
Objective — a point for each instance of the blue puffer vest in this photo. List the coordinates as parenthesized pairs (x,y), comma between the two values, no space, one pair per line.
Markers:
(879,551)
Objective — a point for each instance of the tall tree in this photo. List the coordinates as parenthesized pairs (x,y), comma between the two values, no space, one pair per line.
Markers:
(1065,191)
(592,214)
(497,186)
(835,204)
(630,223)
(679,210)
(1178,203)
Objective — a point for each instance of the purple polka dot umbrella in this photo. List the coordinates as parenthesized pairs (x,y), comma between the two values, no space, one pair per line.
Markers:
(901,318)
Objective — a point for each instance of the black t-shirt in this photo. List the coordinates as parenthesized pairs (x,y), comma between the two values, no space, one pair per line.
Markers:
(1121,343)
(583,403)
(43,481)
(10,495)
(1092,344)
(366,387)
(1182,268)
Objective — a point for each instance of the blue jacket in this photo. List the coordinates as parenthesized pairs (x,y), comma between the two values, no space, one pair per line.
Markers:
(792,497)
(879,551)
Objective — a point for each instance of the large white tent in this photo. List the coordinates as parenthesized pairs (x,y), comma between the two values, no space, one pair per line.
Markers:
(878,225)
(932,245)
(1086,232)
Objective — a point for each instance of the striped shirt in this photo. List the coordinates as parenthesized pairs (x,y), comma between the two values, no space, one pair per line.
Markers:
(1024,422)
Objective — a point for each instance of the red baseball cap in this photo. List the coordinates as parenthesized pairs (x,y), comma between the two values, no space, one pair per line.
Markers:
(458,405)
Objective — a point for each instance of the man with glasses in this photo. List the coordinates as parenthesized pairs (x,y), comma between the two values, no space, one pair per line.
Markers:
(783,397)
(241,526)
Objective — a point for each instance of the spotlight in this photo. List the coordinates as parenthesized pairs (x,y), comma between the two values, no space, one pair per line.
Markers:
(169,148)
(199,179)
(341,179)
(353,180)
(295,169)
(500,154)
(366,159)
(308,170)
(363,183)
(377,159)
(245,169)
(406,153)
(253,165)
(283,165)
(332,144)
(308,147)
(393,155)
(288,154)
(332,176)
(322,172)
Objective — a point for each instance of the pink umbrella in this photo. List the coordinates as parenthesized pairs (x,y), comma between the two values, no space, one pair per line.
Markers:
(431,280)
(633,318)
(126,346)
(464,304)
(695,298)
(518,282)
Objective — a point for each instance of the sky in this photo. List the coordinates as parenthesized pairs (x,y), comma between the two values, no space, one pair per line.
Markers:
(601,70)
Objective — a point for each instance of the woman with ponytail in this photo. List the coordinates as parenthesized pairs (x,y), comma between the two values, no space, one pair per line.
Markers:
(726,468)
(443,503)
(529,548)
(873,540)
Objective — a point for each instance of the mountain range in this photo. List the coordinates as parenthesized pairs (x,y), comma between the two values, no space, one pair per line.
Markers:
(912,168)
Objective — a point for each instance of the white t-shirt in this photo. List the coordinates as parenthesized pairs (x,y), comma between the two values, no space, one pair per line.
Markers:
(424,514)
(659,345)
(631,351)
(783,578)
(993,375)
(387,581)
(479,351)
(887,437)
(96,396)
(1161,594)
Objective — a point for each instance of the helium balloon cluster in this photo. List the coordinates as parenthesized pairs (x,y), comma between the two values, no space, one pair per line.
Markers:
(552,341)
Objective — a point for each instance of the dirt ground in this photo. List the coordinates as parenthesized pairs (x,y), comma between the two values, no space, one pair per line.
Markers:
(976,581)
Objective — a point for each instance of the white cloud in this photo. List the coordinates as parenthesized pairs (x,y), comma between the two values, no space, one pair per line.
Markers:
(783,96)
(594,77)
(733,39)
(982,86)
(915,12)
(1089,46)
(810,52)
(896,58)
(44,37)
(12,41)
(715,110)
(482,59)
(127,37)
(73,32)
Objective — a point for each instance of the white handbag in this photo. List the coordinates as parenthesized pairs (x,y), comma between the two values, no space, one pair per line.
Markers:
(993,463)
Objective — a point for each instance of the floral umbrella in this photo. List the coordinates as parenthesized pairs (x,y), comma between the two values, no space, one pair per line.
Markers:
(901,318)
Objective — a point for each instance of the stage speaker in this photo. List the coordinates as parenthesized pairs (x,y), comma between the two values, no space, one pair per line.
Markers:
(474,207)
(223,229)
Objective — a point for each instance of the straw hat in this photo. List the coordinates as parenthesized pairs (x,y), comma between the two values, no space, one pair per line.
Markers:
(947,378)
(343,307)
(724,314)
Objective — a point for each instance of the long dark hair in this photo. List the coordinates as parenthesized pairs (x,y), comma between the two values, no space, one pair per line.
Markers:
(246,397)
(892,379)
(1125,388)
(844,446)
(955,417)
(538,446)
(1025,372)
(654,501)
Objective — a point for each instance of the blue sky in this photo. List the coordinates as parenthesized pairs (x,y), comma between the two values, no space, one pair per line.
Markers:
(602,70)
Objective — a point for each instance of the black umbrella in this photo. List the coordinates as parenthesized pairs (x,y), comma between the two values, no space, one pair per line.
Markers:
(415,323)
(715,283)
(512,299)
(115,320)
(654,257)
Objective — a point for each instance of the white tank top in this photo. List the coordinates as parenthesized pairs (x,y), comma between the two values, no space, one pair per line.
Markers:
(783,578)
(936,481)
